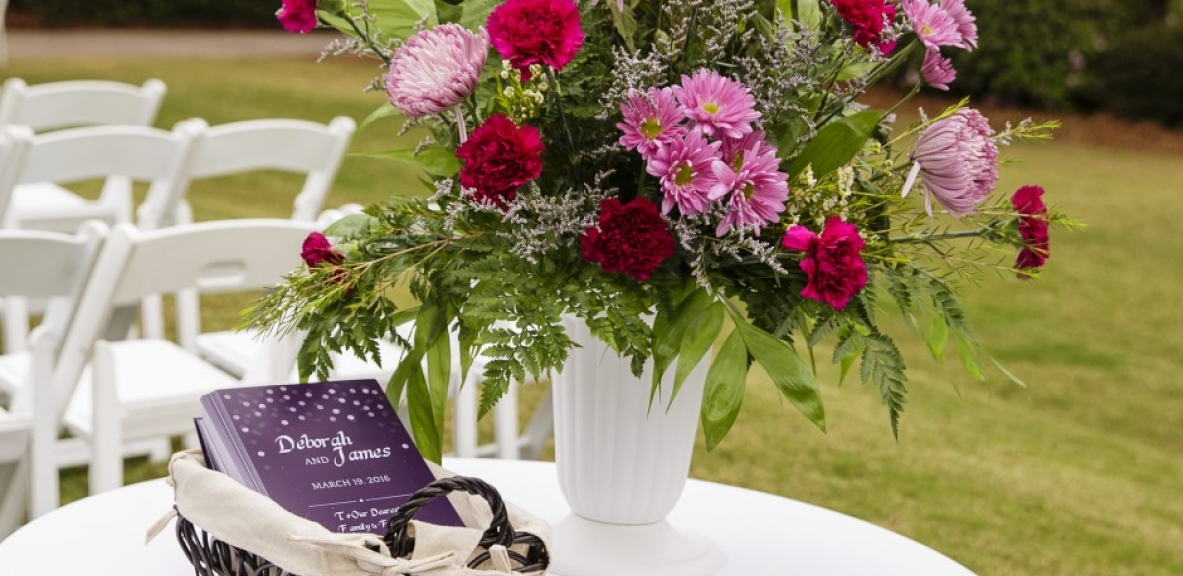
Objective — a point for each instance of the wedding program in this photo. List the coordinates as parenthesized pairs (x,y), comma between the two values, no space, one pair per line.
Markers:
(332,452)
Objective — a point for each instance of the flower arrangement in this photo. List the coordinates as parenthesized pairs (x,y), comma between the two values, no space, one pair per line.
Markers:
(664,170)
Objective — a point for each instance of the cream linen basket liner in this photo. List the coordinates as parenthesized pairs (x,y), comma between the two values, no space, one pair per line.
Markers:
(248,521)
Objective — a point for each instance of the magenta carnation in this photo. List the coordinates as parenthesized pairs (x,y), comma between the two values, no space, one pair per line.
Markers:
(499,158)
(317,250)
(529,32)
(651,120)
(754,187)
(868,18)
(436,69)
(684,167)
(957,162)
(297,15)
(721,106)
(1028,202)
(937,70)
(629,238)
(832,264)
(934,26)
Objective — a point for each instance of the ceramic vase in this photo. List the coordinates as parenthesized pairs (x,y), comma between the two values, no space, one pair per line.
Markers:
(622,465)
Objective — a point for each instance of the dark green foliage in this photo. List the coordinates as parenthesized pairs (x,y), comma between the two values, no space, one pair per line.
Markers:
(1139,76)
(1038,52)
(250,13)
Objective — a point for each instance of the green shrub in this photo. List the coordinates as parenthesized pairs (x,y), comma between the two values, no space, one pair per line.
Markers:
(253,13)
(1037,52)
(1139,76)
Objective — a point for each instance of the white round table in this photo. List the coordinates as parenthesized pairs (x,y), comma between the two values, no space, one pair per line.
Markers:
(760,534)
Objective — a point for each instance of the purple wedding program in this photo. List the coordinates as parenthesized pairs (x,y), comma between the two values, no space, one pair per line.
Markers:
(332,452)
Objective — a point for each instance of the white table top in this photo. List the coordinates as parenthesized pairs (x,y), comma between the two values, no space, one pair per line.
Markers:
(761,534)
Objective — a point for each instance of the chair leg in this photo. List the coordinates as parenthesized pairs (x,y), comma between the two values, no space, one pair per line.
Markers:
(152,317)
(464,425)
(106,465)
(13,499)
(505,424)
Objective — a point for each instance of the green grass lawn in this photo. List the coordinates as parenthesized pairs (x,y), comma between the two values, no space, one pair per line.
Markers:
(1081,474)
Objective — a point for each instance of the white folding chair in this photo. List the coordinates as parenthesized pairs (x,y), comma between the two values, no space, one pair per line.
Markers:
(135,152)
(297,146)
(149,388)
(70,104)
(55,267)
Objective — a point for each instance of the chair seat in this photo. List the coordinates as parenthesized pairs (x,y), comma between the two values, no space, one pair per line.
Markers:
(158,385)
(233,351)
(14,370)
(47,206)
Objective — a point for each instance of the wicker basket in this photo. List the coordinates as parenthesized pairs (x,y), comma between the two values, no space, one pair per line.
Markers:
(527,552)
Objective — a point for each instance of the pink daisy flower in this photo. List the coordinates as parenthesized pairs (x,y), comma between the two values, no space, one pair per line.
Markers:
(933,25)
(721,106)
(957,162)
(684,167)
(436,69)
(754,187)
(651,120)
(966,26)
(937,70)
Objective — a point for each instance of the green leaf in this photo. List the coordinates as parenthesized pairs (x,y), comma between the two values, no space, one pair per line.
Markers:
(725,387)
(350,225)
(967,350)
(386,110)
(476,12)
(1008,374)
(396,18)
(435,160)
(626,24)
(439,373)
(808,13)
(429,433)
(788,371)
(836,143)
(668,333)
(696,343)
(936,336)
(857,70)
(448,13)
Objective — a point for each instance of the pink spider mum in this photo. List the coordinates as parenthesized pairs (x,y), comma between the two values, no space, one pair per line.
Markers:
(721,106)
(957,162)
(937,70)
(436,69)
(933,25)
(966,26)
(684,167)
(651,120)
(754,187)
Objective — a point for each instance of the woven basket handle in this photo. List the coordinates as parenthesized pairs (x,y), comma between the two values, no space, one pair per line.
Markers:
(499,531)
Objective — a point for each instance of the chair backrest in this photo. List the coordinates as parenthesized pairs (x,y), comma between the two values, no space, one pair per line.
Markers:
(72,103)
(50,265)
(298,146)
(218,256)
(65,156)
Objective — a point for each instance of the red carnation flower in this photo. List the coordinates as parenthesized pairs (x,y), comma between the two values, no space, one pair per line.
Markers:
(631,238)
(498,158)
(317,250)
(832,261)
(1028,202)
(297,15)
(867,17)
(529,32)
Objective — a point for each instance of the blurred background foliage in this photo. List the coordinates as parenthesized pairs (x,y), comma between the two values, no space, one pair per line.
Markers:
(1059,55)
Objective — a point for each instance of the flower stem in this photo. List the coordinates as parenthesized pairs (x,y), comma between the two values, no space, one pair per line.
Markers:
(558,98)
(930,236)
(365,38)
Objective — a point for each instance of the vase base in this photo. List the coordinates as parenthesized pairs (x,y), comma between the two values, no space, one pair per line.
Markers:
(583,547)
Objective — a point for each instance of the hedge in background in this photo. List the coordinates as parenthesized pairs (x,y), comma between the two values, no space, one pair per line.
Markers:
(1037,52)
(249,13)
(1141,76)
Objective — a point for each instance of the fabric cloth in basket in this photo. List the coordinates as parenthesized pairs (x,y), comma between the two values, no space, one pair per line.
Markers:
(246,520)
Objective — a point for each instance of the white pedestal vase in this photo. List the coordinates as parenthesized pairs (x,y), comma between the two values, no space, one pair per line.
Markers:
(622,467)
